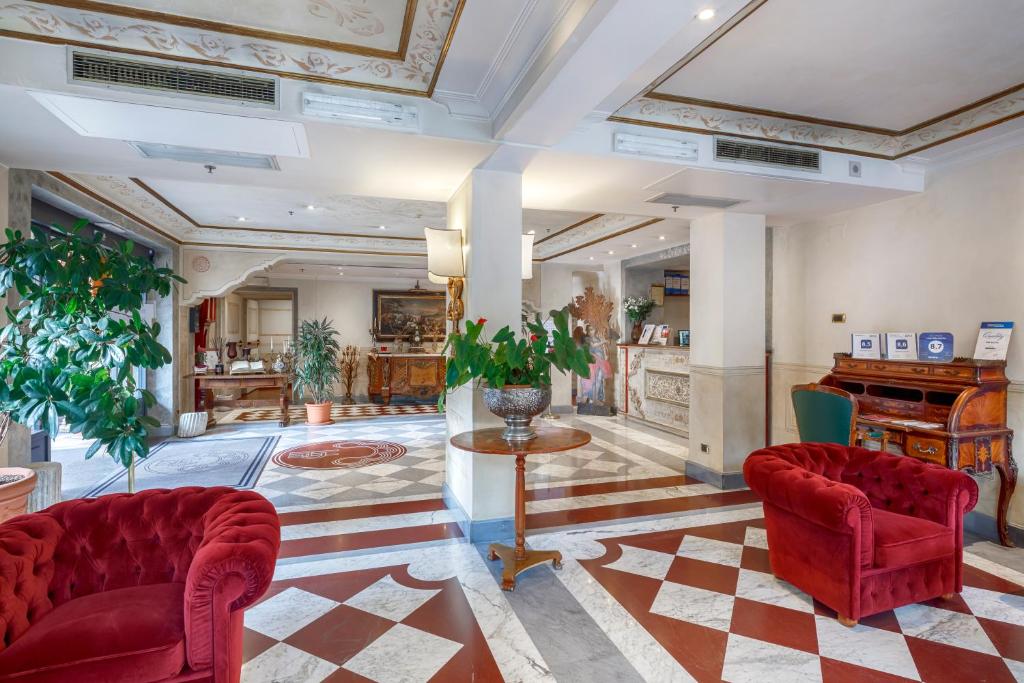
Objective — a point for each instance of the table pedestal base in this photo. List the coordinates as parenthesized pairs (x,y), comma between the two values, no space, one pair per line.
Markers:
(512,565)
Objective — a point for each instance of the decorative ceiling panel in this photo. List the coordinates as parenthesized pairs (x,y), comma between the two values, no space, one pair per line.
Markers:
(386,45)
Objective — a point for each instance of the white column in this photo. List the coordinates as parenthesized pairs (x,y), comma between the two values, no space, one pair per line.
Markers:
(488,208)
(4,174)
(727,317)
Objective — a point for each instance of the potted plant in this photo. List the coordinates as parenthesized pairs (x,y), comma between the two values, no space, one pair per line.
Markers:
(71,344)
(317,369)
(16,483)
(637,310)
(517,373)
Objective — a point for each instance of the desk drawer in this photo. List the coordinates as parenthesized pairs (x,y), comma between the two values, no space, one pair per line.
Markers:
(932,450)
(963,373)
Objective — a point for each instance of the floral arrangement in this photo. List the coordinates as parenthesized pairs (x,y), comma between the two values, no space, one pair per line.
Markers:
(504,360)
(638,307)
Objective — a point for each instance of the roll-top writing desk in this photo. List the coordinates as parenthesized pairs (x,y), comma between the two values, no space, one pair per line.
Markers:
(952,414)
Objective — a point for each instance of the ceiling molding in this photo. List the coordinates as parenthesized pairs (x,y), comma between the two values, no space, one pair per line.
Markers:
(693,115)
(589,233)
(696,118)
(211,26)
(570,227)
(433,27)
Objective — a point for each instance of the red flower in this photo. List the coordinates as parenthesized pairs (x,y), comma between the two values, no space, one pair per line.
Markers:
(533,337)
(481,321)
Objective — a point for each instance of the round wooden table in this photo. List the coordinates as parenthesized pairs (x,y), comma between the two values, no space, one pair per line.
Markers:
(548,440)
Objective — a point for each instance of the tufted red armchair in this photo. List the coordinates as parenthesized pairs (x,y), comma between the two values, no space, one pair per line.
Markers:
(134,588)
(861,531)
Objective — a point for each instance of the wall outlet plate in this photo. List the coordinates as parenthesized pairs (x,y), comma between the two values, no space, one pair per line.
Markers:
(839,317)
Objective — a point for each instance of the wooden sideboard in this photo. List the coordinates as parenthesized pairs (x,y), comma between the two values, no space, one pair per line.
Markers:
(952,414)
(415,375)
(247,386)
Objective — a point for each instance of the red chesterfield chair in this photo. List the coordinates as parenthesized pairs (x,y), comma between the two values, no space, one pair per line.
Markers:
(134,588)
(861,531)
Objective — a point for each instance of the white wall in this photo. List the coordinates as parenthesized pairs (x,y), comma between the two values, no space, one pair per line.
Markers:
(4,174)
(275,322)
(943,260)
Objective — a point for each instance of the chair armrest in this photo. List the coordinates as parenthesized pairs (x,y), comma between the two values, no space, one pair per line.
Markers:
(231,569)
(833,505)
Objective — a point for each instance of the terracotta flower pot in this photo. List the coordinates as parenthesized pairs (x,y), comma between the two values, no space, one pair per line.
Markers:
(319,413)
(16,483)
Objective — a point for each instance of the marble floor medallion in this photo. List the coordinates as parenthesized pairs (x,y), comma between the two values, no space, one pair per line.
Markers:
(339,455)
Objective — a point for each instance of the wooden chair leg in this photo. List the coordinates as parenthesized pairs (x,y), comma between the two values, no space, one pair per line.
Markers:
(846,621)
(948,596)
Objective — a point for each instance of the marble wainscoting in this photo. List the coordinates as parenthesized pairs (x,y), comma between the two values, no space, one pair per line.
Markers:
(653,385)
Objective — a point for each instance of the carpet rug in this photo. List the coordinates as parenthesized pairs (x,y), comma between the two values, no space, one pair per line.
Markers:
(339,455)
(207,462)
(297,414)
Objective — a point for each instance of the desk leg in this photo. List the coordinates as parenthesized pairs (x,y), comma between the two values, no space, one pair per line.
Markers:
(517,559)
(284,406)
(206,404)
(1007,483)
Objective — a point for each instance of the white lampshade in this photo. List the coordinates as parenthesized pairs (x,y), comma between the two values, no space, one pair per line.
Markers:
(444,253)
(437,279)
(527,257)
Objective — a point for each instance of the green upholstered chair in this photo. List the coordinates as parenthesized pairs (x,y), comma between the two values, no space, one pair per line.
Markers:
(825,414)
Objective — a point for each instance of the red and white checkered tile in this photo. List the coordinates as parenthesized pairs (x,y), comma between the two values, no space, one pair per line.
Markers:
(708,597)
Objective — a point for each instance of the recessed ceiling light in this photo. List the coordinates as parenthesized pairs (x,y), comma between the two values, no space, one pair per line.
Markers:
(241,219)
(383,227)
(632,246)
(706,14)
(611,253)
(591,258)
(310,207)
(661,237)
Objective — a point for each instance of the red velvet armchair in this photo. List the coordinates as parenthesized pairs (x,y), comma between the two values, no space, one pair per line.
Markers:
(861,531)
(134,588)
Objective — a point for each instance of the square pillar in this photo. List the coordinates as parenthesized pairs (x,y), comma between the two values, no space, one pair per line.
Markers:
(727,362)
(488,208)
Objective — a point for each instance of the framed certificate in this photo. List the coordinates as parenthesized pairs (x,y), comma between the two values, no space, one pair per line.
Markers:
(645,336)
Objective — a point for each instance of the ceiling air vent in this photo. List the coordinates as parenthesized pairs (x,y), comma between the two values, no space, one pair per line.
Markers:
(677,199)
(761,154)
(93,68)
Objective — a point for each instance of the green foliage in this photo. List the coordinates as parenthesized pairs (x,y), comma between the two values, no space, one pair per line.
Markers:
(317,368)
(505,360)
(69,348)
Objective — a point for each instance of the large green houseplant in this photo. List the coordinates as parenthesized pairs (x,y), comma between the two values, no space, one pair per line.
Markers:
(516,372)
(317,369)
(71,344)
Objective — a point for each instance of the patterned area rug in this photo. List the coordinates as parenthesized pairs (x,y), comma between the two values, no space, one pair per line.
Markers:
(205,462)
(297,414)
(339,455)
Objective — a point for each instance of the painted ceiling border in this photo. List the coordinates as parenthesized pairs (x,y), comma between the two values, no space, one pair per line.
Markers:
(425,56)
(603,232)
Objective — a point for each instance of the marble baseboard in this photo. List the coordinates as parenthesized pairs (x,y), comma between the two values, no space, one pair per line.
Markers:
(658,425)
(478,531)
(723,480)
(985,526)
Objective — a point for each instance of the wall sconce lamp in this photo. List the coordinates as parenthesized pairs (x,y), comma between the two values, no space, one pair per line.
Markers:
(446,265)
(527,257)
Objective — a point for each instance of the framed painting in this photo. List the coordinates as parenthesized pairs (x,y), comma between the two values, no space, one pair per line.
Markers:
(397,313)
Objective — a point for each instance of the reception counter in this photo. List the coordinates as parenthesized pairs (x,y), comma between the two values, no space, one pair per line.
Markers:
(653,385)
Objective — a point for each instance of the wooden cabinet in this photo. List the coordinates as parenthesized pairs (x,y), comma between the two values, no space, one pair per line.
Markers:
(952,414)
(415,375)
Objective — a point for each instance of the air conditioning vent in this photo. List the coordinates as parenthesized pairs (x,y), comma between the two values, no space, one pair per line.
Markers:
(93,68)
(761,154)
(677,199)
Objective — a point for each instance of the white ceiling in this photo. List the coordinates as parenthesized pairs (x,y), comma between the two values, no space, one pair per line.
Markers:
(880,63)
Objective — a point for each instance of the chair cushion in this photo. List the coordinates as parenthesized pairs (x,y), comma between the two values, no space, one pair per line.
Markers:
(131,635)
(902,540)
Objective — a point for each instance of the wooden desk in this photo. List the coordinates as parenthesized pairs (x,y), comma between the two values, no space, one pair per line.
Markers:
(416,375)
(207,385)
(548,440)
(960,408)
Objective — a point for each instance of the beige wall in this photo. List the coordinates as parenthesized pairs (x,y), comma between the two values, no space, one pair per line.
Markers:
(3,225)
(943,260)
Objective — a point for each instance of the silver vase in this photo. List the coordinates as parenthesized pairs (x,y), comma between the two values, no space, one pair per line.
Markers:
(518,405)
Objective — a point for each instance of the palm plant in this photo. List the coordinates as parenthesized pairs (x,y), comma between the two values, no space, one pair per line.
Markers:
(316,369)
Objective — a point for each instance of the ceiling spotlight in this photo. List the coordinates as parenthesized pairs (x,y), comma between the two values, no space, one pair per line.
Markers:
(310,207)
(632,246)
(611,253)
(591,258)
(382,227)
(241,219)
(706,14)
(661,237)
